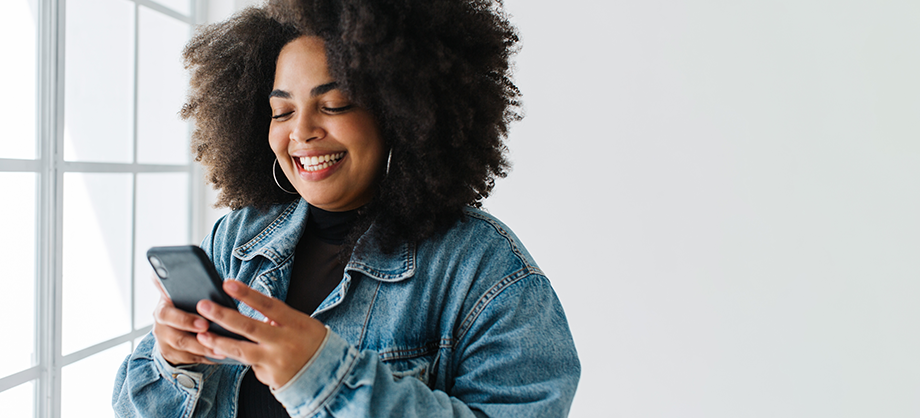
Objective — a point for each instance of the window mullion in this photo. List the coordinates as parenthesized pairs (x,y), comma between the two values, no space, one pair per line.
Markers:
(134,160)
(195,176)
(51,167)
(50,81)
(167,11)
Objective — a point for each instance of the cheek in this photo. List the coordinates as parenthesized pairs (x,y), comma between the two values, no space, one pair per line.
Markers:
(277,140)
(370,141)
(373,155)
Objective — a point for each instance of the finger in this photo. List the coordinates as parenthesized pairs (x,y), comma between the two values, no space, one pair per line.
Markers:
(274,309)
(167,314)
(243,351)
(179,347)
(178,358)
(235,321)
(156,281)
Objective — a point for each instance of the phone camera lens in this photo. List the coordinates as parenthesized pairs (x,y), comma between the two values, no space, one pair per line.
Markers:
(162,272)
(155,262)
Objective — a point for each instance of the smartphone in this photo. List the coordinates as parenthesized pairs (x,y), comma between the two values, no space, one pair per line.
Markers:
(188,276)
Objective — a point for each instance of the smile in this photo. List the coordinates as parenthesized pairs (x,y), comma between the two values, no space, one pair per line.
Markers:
(320,162)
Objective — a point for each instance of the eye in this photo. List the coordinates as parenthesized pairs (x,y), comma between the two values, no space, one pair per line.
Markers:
(282,115)
(341,109)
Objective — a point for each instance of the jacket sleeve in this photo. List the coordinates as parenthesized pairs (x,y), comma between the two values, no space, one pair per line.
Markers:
(516,358)
(146,385)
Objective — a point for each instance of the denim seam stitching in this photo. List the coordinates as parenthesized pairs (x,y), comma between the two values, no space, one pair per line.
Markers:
(338,387)
(190,405)
(235,405)
(269,274)
(514,248)
(408,353)
(375,273)
(169,377)
(270,228)
(192,395)
(446,342)
(488,297)
(367,317)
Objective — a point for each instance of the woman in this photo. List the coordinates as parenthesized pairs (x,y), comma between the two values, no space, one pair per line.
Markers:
(387,121)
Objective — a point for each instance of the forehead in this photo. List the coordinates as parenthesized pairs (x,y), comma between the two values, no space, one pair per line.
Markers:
(301,64)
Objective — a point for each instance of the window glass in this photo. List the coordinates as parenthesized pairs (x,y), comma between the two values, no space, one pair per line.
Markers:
(181,6)
(98,81)
(162,219)
(17,79)
(97,258)
(162,138)
(86,386)
(18,401)
(17,256)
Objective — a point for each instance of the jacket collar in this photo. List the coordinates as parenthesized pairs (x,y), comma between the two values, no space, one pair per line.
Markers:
(279,239)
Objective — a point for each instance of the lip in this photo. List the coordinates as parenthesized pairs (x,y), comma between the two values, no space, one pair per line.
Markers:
(319,174)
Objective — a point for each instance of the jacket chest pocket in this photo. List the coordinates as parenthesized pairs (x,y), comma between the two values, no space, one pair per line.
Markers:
(419,367)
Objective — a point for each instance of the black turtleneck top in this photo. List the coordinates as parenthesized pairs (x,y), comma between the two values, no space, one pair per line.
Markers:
(317,271)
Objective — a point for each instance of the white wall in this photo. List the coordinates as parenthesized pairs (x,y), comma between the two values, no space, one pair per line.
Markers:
(726,197)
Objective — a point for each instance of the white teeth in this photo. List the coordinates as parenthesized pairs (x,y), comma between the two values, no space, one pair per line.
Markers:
(320,162)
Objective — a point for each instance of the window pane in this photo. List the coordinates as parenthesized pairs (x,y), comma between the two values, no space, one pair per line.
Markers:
(17,256)
(162,219)
(86,386)
(18,401)
(161,136)
(181,6)
(97,258)
(17,81)
(98,77)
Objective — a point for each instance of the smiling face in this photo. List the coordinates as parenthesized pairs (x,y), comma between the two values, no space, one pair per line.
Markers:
(330,149)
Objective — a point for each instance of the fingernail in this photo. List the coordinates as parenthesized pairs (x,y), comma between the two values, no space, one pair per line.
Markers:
(232,285)
(201,324)
(204,306)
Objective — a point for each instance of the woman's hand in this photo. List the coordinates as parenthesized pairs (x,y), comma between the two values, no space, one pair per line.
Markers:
(280,346)
(175,331)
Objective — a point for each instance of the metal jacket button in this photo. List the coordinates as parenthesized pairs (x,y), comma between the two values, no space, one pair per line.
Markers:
(184,380)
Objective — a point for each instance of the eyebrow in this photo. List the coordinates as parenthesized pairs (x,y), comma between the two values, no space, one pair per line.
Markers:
(315,91)
(323,88)
(279,93)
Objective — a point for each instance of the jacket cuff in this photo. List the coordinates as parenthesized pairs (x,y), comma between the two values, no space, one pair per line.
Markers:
(319,379)
(185,377)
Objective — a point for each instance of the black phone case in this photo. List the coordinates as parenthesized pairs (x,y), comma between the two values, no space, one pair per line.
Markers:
(188,276)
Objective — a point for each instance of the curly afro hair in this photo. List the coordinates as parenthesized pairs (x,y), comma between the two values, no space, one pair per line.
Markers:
(436,74)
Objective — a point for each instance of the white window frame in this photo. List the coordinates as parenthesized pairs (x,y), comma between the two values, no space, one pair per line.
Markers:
(50,168)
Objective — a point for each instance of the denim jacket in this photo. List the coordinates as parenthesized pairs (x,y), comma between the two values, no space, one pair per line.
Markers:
(461,324)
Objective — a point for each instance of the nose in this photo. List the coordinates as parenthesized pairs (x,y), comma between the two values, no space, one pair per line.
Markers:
(306,129)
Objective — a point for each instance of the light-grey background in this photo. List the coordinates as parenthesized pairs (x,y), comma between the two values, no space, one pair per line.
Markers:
(725,195)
